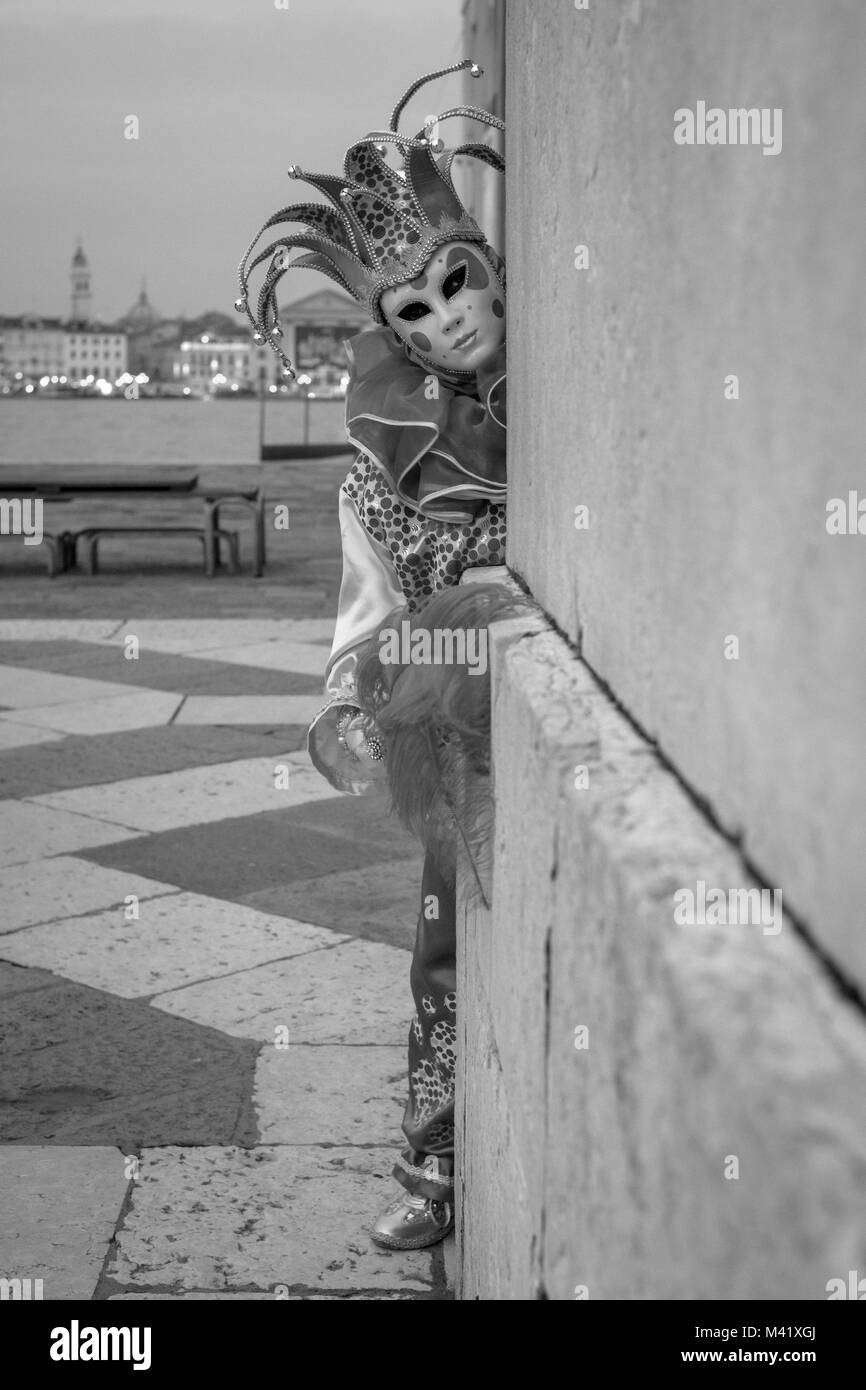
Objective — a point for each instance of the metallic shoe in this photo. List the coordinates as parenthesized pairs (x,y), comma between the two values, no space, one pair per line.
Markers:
(411,1222)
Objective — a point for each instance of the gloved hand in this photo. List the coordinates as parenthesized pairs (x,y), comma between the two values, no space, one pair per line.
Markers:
(363,739)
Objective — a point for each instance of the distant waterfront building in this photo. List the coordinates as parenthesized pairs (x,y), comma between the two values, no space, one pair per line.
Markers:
(32,345)
(160,350)
(213,351)
(146,335)
(94,350)
(313,333)
(142,316)
(314,329)
(205,364)
(81,303)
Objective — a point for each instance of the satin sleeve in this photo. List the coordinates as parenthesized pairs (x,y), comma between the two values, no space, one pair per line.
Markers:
(369,592)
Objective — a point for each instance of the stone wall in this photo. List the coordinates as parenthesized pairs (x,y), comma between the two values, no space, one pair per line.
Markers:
(707,515)
(650,1109)
(646,1110)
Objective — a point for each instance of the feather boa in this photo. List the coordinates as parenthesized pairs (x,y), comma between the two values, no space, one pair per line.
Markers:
(435,719)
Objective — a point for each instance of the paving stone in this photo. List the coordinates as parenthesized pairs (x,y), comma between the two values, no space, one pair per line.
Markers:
(237,858)
(386,1294)
(13,735)
(135,709)
(309,657)
(47,889)
(217,1218)
(356,993)
(24,689)
(192,635)
(29,831)
(177,940)
(19,979)
(197,796)
(379,901)
(250,709)
(33,629)
(60,1209)
(83,1067)
(89,1068)
(359,818)
(160,595)
(229,675)
(208,1296)
(330,1095)
(81,761)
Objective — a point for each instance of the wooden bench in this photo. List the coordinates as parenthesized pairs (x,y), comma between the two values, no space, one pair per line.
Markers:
(94,534)
(66,482)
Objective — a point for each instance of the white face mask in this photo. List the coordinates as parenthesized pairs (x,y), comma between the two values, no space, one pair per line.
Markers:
(453,313)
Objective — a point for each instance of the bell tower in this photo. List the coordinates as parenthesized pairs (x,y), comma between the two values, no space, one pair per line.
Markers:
(79,275)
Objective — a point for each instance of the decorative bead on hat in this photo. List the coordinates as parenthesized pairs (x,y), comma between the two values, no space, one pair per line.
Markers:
(383,223)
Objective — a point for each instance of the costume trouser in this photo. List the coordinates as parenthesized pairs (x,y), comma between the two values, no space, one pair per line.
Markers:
(426,1167)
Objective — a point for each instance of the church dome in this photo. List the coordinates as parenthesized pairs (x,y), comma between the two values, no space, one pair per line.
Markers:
(142,314)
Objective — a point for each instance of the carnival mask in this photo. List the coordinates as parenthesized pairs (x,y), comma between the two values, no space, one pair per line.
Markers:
(453,313)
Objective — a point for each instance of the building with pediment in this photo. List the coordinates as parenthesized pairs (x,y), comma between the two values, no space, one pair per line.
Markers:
(314,329)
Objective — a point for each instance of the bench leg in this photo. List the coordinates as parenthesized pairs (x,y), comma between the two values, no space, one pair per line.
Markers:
(209,539)
(256,510)
(91,554)
(67,551)
(210,542)
(217,533)
(214,533)
(231,539)
(259,530)
(54,551)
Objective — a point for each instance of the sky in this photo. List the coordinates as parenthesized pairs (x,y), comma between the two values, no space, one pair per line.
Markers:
(228,94)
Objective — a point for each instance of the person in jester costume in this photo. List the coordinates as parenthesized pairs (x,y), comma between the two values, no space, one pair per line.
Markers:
(422,518)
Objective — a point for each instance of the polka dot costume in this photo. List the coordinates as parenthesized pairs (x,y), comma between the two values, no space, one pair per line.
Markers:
(427,555)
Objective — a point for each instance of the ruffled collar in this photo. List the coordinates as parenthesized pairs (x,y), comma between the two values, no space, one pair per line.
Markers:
(446,464)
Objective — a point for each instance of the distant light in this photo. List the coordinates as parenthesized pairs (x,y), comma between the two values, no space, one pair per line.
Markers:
(18,376)
(44,380)
(142,378)
(311,395)
(28,389)
(186,391)
(184,347)
(205,338)
(54,380)
(234,386)
(344,382)
(219,379)
(272,388)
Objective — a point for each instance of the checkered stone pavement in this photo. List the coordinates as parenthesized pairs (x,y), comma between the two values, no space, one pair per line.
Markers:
(204,958)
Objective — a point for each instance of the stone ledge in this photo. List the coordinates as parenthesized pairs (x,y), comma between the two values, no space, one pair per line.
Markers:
(707,1044)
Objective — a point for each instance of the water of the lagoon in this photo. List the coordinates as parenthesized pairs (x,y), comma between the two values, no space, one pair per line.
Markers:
(156,431)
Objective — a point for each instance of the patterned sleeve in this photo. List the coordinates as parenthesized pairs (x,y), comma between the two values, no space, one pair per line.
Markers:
(369,592)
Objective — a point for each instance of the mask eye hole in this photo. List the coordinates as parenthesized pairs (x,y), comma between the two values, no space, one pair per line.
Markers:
(455,280)
(414,311)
